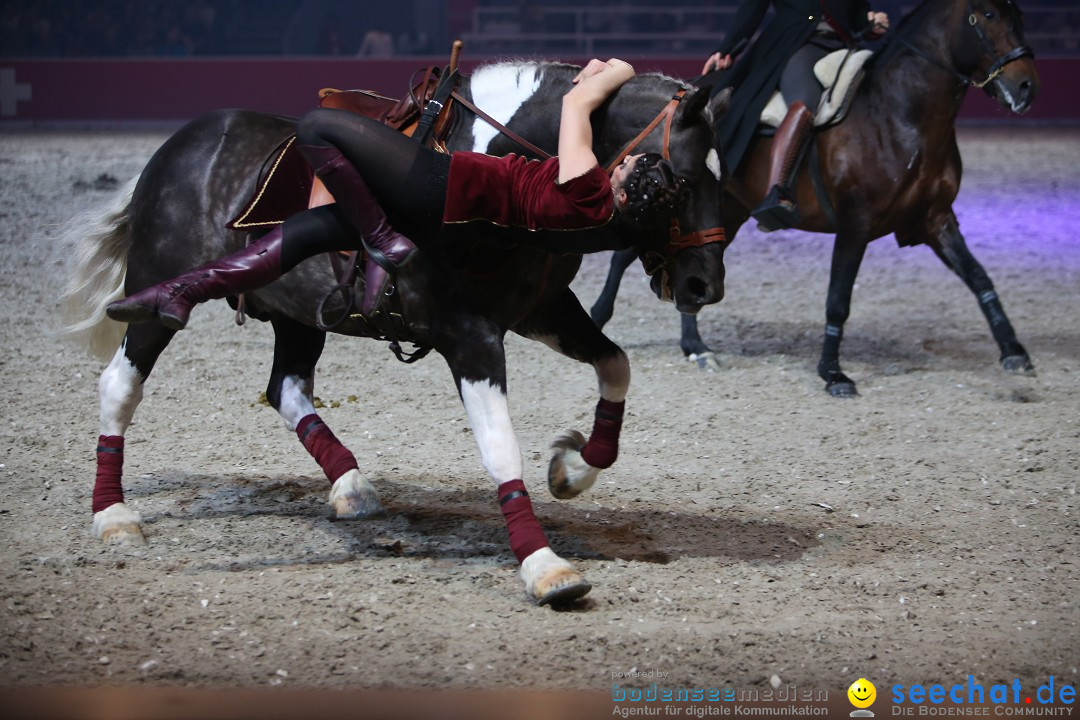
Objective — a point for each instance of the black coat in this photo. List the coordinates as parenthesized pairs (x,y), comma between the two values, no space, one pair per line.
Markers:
(756,74)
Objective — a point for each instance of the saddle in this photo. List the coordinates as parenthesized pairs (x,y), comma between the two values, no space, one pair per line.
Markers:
(287,185)
(839,73)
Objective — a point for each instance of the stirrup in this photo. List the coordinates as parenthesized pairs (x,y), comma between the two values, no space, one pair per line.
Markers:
(776,211)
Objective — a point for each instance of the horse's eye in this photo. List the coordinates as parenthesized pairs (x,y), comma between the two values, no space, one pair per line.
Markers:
(989,14)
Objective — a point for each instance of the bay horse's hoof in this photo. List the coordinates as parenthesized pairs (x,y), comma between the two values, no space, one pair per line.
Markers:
(840,385)
(353,498)
(568,473)
(118,525)
(1018,365)
(705,361)
(560,586)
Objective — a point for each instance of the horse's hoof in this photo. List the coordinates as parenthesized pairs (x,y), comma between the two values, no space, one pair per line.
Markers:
(118,525)
(568,473)
(354,498)
(842,389)
(357,508)
(560,586)
(1018,365)
(128,534)
(705,361)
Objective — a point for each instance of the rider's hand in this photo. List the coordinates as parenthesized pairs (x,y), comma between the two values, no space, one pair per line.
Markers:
(595,67)
(880,22)
(716,61)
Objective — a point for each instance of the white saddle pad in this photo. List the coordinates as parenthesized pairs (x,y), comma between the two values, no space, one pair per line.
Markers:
(836,88)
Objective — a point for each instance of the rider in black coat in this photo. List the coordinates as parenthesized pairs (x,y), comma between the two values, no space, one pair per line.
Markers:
(799,34)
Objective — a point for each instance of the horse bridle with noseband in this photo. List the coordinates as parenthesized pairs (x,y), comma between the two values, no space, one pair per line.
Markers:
(677,241)
(996,68)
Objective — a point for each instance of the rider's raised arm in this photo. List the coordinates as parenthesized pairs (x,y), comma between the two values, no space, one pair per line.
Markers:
(594,84)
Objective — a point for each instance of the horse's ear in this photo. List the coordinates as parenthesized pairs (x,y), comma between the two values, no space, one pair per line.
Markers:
(719,104)
(691,107)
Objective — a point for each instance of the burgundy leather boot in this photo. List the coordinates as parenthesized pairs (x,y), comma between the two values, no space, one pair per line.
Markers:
(387,249)
(170,302)
(778,209)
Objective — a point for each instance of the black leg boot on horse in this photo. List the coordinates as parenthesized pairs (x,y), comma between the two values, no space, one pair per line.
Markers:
(170,302)
(778,210)
(387,249)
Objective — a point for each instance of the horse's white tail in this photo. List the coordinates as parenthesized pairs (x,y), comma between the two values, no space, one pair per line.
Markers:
(95,246)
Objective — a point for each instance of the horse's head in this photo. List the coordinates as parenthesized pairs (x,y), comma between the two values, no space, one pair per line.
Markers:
(991,52)
(686,257)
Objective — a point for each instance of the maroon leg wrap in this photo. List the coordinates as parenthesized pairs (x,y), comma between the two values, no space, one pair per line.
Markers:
(603,445)
(526,537)
(333,457)
(110,469)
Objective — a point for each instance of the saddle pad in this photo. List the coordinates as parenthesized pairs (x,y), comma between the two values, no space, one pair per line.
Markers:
(284,189)
(836,88)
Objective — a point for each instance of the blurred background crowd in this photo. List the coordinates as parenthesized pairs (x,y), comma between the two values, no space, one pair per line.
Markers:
(365,28)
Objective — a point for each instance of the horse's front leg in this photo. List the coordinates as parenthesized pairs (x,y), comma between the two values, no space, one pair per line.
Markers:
(297,349)
(848,251)
(120,390)
(478,363)
(950,247)
(563,325)
(604,307)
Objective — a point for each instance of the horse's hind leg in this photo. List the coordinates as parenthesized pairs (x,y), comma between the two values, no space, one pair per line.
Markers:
(474,352)
(563,325)
(950,246)
(847,256)
(120,390)
(297,349)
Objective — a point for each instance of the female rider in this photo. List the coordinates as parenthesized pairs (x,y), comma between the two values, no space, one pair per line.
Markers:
(349,153)
(800,33)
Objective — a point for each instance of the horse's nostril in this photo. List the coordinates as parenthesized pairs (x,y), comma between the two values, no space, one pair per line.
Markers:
(697,288)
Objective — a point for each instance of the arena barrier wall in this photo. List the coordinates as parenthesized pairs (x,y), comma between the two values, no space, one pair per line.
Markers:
(39,92)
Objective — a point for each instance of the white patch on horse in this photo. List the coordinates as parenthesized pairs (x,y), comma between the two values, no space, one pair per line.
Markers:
(499,90)
(296,402)
(121,390)
(489,416)
(712,161)
(612,373)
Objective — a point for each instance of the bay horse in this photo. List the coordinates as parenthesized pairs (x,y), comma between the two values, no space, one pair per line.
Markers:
(891,166)
(460,296)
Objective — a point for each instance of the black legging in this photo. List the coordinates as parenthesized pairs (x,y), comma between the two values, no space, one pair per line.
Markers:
(407,179)
(798,81)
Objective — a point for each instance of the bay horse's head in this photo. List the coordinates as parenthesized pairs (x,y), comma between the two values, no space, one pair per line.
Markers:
(989,49)
(654,113)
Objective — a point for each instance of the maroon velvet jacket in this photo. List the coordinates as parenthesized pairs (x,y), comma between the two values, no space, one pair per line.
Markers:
(513,191)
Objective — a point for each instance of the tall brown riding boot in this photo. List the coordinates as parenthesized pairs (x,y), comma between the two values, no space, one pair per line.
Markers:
(387,248)
(778,209)
(170,302)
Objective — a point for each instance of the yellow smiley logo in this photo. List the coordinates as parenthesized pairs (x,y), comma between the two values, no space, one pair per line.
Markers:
(862,693)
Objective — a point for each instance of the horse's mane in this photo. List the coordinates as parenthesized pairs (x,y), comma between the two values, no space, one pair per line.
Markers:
(538,69)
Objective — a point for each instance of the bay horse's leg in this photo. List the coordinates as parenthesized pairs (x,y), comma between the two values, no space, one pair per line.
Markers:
(120,390)
(847,256)
(474,351)
(297,349)
(562,325)
(693,347)
(604,307)
(949,245)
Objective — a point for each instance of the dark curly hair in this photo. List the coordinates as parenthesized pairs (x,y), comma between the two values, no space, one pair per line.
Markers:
(653,191)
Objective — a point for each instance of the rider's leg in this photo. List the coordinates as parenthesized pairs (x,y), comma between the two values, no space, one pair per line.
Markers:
(802,91)
(320,230)
(366,166)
